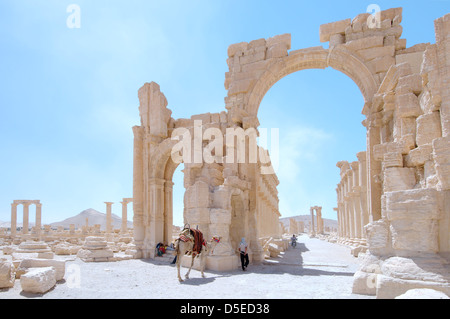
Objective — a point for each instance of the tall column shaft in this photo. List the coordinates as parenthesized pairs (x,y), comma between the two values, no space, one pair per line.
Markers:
(26,218)
(38,219)
(13,219)
(124,227)
(108,218)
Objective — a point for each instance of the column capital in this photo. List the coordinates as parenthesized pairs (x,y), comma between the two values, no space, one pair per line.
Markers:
(169,184)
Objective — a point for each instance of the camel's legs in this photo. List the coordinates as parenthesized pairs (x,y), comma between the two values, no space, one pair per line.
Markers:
(178,266)
(189,271)
(202,264)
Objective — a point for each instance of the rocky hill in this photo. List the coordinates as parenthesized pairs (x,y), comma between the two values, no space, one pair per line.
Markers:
(94,217)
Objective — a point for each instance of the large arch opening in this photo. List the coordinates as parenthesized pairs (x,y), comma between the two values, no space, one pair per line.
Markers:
(318,113)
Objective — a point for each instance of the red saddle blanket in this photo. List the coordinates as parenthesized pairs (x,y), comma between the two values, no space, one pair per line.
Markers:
(198,240)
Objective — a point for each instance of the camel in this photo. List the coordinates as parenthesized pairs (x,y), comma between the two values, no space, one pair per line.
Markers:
(183,247)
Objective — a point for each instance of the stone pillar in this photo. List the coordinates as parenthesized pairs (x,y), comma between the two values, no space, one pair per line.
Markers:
(138,189)
(124,226)
(373,171)
(363,191)
(356,197)
(168,211)
(26,217)
(313,231)
(157,210)
(319,220)
(38,219)
(109,229)
(13,219)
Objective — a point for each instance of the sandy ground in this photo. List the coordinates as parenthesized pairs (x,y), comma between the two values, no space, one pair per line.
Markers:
(314,269)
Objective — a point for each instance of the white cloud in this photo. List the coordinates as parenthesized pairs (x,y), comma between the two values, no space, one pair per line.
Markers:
(300,147)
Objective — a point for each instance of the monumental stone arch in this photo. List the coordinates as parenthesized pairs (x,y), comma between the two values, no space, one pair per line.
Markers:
(403,177)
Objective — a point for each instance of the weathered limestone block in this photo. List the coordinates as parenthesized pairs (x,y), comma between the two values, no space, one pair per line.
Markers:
(236,48)
(419,155)
(284,39)
(428,128)
(7,273)
(58,265)
(66,249)
(410,84)
(38,280)
(403,146)
(398,179)
(414,59)
(364,283)
(338,27)
(241,86)
(441,156)
(389,288)
(401,274)
(33,247)
(197,195)
(423,293)
(417,268)
(95,249)
(427,103)
(378,238)
(392,159)
(153,109)
(365,43)
(381,64)
(408,105)
(413,216)
(377,52)
(278,50)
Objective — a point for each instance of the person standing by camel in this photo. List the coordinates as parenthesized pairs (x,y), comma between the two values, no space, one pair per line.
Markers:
(243,247)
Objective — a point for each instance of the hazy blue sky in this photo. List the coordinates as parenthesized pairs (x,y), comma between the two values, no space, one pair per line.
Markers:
(68,97)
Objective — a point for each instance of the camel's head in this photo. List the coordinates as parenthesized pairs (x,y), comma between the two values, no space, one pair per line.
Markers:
(216,239)
(213,243)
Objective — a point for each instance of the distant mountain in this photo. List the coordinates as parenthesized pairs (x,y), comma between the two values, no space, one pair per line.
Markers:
(93,217)
(307,220)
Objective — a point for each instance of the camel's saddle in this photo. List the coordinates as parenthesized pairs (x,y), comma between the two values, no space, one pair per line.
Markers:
(195,236)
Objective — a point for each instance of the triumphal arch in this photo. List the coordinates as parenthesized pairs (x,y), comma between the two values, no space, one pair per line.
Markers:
(231,190)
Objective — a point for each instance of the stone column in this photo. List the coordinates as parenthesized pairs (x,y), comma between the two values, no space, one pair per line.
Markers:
(373,170)
(138,189)
(38,219)
(26,217)
(108,217)
(168,211)
(13,219)
(124,226)
(356,197)
(319,220)
(313,231)
(363,191)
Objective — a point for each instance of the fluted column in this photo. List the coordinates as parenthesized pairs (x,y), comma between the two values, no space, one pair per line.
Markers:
(108,217)
(26,217)
(363,193)
(38,219)
(313,232)
(356,198)
(168,211)
(138,188)
(13,219)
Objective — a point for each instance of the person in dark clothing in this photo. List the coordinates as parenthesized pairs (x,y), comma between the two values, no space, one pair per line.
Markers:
(243,247)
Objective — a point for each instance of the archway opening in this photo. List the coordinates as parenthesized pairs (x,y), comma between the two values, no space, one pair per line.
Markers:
(318,113)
